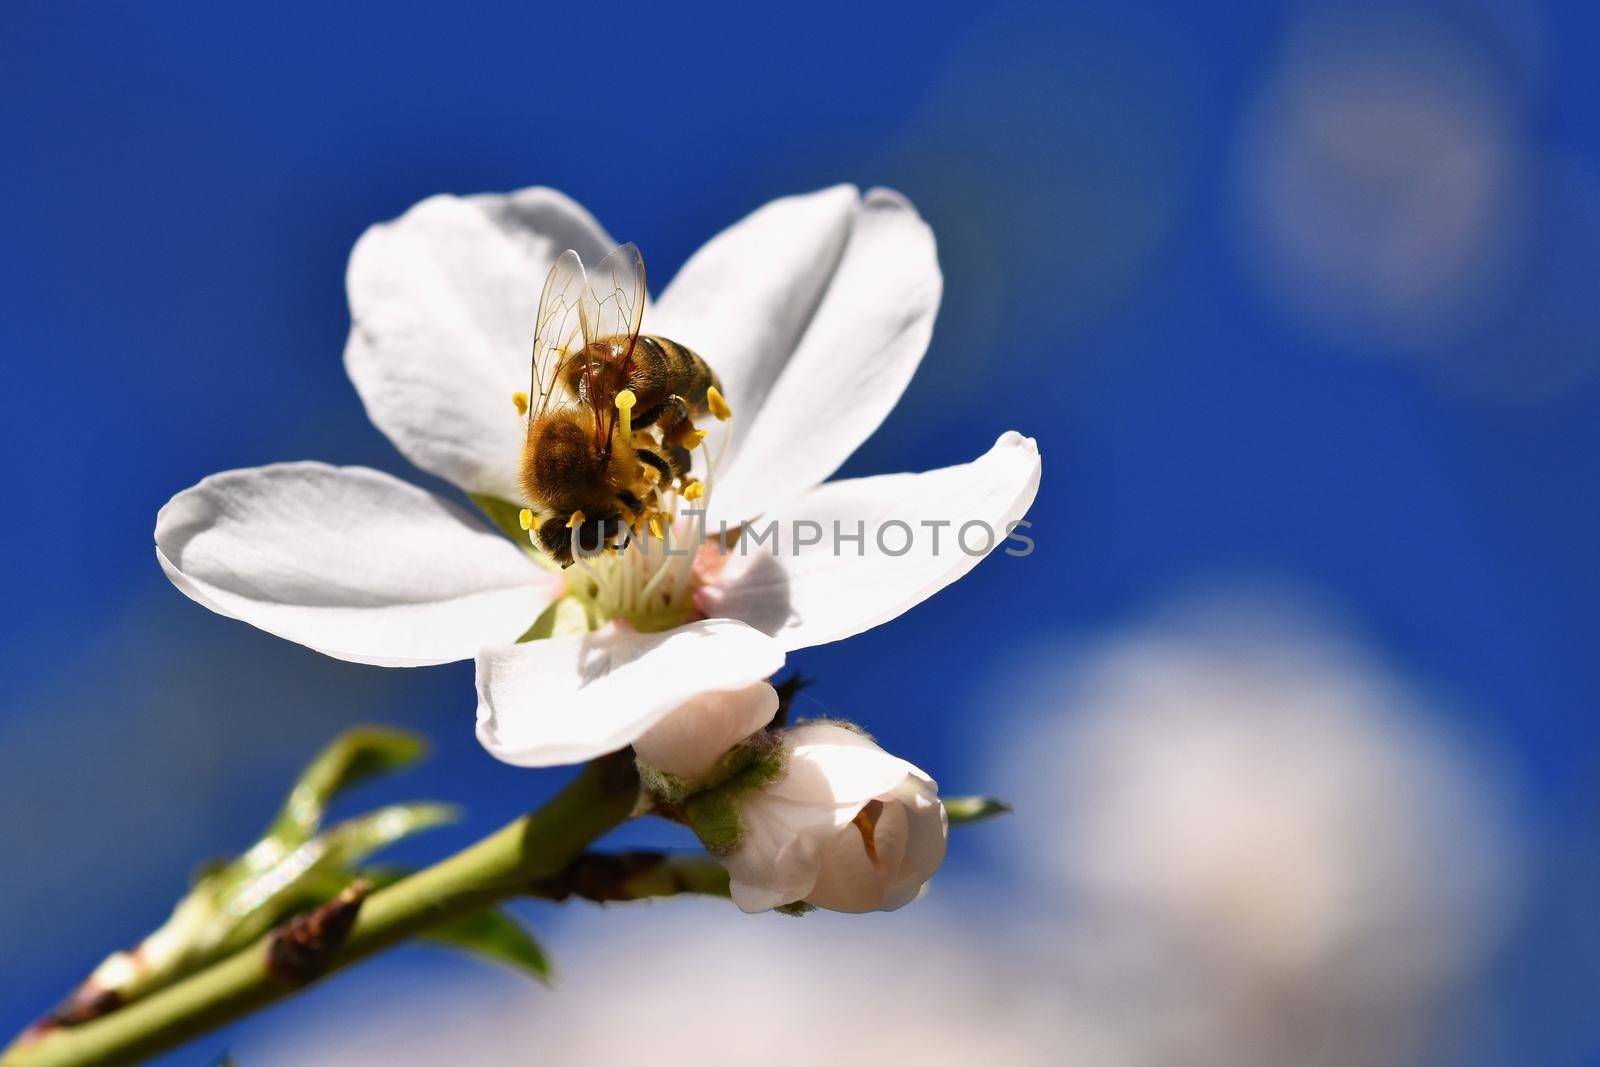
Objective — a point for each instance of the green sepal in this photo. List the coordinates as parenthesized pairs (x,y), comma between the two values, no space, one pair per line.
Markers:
(713,812)
(567,617)
(964,811)
(714,818)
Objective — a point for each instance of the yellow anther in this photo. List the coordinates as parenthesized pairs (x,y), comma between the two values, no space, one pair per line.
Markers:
(719,407)
(656,528)
(625,401)
(691,438)
(693,489)
(525,519)
(521,400)
(576,520)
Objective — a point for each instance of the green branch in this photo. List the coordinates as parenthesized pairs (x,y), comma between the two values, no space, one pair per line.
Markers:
(509,863)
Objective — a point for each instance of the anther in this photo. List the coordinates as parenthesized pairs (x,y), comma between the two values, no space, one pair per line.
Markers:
(693,489)
(576,520)
(521,400)
(655,528)
(625,401)
(719,407)
(525,519)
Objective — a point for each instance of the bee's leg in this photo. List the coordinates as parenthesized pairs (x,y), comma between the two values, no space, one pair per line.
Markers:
(555,537)
(673,461)
(678,460)
(655,459)
(665,415)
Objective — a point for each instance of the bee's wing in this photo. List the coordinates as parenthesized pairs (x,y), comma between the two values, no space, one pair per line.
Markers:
(558,336)
(612,310)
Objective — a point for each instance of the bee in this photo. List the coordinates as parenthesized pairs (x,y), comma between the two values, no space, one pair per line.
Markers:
(591,468)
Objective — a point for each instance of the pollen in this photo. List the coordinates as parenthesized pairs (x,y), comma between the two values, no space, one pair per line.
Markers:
(693,489)
(521,400)
(525,519)
(656,528)
(576,520)
(719,406)
(686,436)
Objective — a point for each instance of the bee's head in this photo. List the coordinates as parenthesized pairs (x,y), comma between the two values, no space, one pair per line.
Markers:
(593,535)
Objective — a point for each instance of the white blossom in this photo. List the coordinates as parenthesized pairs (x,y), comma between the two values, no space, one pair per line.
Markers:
(814,311)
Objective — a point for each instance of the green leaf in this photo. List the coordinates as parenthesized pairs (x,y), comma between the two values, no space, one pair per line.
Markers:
(495,935)
(353,756)
(963,811)
(355,839)
(492,934)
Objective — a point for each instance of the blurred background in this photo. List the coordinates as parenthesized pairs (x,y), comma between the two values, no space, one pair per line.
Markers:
(1295,698)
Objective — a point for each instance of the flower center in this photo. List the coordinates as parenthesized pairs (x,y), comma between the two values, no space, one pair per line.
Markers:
(651,580)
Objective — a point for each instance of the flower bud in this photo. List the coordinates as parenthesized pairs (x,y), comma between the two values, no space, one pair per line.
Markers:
(692,739)
(844,826)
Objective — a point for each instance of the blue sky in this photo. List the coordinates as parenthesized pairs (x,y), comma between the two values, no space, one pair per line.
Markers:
(1360,358)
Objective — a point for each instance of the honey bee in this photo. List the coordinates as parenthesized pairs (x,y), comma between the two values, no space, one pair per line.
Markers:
(591,468)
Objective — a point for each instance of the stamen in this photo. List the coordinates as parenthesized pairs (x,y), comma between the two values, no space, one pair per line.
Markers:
(576,520)
(521,400)
(693,489)
(525,519)
(655,527)
(719,407)
(691,438)
(625,402)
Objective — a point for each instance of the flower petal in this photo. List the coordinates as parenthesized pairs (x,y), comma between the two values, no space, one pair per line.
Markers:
(352,562)
(813,305)
(747,297)
(927,836)
(847,879)
(864,343)
(832,765)
(835,588)
(692,738)
(569,699)
(780,852)
(443,303)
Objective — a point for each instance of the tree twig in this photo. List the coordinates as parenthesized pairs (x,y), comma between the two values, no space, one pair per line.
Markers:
(528,852)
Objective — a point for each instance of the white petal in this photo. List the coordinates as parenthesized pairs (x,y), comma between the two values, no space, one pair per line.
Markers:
(926,836)
(568,699)
(442,308)
(351,562)
(848,880)
(692,738)
(814,308)
(863,344)
(830,765)
(746,298)
(777,859)
(836,588)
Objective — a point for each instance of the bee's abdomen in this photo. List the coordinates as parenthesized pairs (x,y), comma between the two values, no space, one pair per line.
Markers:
(663,367)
